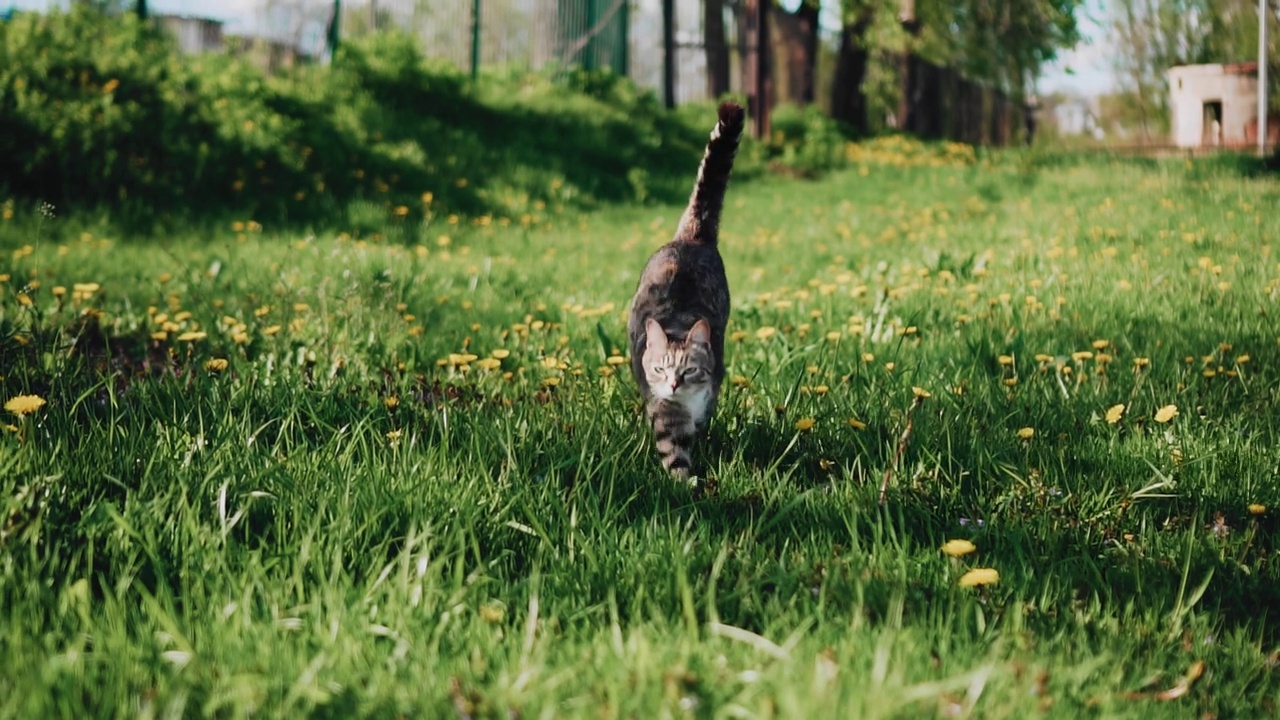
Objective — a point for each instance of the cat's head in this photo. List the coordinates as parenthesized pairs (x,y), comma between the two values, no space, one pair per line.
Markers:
(678,369)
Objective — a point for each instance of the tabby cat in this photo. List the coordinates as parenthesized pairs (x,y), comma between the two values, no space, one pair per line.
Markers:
(678,315)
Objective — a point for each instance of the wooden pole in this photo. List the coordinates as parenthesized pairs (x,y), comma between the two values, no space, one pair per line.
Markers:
(475,39)
(763,78)
(1263,17)
(669,53)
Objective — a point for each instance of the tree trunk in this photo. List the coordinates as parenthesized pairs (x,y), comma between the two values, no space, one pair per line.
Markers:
(717,49)
(669,53)
(848,103)
(798,42)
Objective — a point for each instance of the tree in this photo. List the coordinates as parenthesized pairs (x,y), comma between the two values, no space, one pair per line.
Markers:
(716,47)
(798,40)
(1000,43)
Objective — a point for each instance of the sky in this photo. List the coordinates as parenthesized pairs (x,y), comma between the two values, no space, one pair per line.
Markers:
(1082,70)
(1085,69)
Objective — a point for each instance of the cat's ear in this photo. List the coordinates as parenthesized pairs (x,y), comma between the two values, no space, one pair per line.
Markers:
(700,333)
(656,337)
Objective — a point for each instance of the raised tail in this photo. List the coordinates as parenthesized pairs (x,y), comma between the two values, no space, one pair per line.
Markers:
(700,223)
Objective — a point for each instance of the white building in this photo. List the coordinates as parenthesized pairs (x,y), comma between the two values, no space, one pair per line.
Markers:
(1214,105)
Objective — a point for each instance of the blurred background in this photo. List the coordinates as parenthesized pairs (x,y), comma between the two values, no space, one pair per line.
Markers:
(284,106)
(961,69)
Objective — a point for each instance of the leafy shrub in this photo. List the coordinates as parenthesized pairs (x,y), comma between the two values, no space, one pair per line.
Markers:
(806,141)
(101,111)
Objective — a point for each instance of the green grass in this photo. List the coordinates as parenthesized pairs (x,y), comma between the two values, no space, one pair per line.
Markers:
(283,538)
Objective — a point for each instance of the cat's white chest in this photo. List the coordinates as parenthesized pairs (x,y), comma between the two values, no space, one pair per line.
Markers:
(697,403)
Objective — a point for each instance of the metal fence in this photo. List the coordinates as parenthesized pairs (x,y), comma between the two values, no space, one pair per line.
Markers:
(623,35)
(627,36)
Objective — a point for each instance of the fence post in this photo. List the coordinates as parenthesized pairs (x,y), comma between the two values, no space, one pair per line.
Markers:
(590,61)
(669,53)
(623,54)
(475,39)
(331,36)
(142,9)
(1263,17)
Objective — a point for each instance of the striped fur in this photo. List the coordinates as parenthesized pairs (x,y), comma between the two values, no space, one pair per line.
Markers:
(680,310)
(700,223)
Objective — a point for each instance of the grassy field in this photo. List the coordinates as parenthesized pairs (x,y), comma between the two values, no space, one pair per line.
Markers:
(405,475)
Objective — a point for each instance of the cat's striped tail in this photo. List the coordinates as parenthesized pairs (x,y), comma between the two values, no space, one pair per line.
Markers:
(700,223)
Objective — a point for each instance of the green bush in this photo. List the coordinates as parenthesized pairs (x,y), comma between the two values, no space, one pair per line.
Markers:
(806,141)
(101,111)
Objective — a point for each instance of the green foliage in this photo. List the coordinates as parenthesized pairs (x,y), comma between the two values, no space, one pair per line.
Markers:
(101,112)
(1003,44)
(806,141)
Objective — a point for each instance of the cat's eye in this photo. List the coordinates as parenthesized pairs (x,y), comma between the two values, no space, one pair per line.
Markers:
(691,373)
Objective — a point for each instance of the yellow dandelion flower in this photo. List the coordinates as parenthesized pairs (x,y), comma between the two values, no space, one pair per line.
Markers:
(857,424)
(1010,382)
(86,288)
(492,613)
(834,335)
(1114,413)
(921,392)
(1101,344)
(59,291)
(216,365)
(1257,508)
(501,353)
(489,363)
(271,330)
(980,576)
(868,357)
(804,424)
(739,381)
(1242,359)
(160,335)
(550,382)
(1081,355)
(1005,360)
(616,360)
(390,402)
(24,404)
(1043,358)
(394,435)
(766,332)
(738,335)
(958,548)
(821,389)
(1141,362)
(461,358)
(192,336)
(1166,413)
(24,299)
(1026,433)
